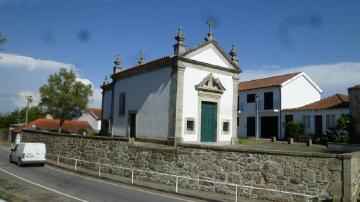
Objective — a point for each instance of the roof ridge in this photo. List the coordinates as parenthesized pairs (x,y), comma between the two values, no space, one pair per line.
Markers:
(149,62)
(295,73)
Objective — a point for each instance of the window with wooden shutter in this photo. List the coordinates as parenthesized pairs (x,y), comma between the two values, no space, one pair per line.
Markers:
(122,99)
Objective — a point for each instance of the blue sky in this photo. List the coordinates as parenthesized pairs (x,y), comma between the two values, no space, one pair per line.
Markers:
(321,38)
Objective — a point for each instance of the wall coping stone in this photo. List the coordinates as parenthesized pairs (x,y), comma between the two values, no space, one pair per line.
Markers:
(270,152)
(104,138)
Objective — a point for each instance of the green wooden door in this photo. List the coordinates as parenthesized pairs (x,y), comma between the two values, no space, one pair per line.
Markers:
(208,121)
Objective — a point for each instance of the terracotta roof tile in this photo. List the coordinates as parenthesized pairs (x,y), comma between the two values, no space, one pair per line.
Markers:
(336,101)
(266,82)
(53,125)
(141,67)
(96,112)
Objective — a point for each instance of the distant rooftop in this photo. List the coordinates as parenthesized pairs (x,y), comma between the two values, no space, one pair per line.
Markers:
(336,101)
(266,82)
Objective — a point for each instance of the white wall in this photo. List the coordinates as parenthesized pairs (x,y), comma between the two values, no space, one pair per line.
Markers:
(209,56)
(249,109)
(95,124)
(193,77)
(298,93)
(106,111)
(298,117)
(149,95)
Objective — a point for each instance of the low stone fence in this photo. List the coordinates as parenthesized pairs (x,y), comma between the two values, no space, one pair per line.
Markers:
(330,176)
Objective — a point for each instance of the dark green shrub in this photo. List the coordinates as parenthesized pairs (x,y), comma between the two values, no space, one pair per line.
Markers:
(294,129)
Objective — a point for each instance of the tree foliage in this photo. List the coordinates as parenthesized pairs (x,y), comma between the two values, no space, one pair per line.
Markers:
(2,41)
(18,116)
(64,97)
(293,129)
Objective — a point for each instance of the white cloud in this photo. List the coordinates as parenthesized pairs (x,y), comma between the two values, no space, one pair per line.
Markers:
(22,76)
(21,103)
(28,63)
(332,78)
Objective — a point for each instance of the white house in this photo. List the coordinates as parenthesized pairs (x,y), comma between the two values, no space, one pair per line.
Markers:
(190,96)
(319,116)
(273,95)
(93,117)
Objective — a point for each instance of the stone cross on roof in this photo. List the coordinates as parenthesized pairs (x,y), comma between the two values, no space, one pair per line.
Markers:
(210,36)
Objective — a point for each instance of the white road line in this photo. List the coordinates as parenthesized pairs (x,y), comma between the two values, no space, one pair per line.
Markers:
(123,186)
(39,185)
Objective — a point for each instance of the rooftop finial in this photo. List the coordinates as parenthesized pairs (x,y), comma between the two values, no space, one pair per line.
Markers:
(106,81)
(233,54)
(179,47)
(180,36)
(142,59)
(117,62)
(210,35)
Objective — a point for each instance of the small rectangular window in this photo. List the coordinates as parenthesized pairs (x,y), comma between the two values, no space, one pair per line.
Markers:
(225,126)
(268,100)
(250,98)
(122,99)
(189,125)
(330,121)
(306,121)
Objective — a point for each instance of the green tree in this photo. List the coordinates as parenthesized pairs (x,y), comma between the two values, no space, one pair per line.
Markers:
(63,97)
(2,41)
(18,116)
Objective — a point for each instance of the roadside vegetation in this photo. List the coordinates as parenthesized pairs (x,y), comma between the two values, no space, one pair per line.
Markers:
(64,97)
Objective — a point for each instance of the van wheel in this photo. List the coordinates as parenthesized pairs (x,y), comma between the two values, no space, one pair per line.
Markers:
(19,163)
(10,161)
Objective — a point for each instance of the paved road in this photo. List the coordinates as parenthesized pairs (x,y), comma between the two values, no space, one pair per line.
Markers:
(72,187)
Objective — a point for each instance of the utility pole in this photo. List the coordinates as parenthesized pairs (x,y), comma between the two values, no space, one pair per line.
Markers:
(257,115)
(29,100)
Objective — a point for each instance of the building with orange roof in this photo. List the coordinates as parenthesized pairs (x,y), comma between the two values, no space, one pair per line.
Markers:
(93,117)
(262,101)
(52,125)
(319,116)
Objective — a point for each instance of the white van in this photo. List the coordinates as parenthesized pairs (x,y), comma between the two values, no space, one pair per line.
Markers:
(28,153)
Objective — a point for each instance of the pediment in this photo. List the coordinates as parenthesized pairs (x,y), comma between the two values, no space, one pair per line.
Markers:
(210,53)
(210,84)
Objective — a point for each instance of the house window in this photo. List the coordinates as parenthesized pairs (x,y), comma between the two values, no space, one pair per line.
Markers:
(306,121)
(189,125)
(225,126)
(268,100)
(330,121)
(250,98)
(122,104)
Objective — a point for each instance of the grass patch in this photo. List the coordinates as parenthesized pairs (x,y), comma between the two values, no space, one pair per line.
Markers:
(246,140)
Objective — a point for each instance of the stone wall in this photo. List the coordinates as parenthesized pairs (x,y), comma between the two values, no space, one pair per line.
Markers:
(332,176)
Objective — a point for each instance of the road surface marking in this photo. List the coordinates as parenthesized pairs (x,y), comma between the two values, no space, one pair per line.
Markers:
(114,184)
(39,185)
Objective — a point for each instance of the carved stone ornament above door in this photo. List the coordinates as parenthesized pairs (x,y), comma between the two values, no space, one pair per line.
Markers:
(210,84)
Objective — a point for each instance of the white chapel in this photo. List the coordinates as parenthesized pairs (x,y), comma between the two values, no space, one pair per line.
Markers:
(189,96)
